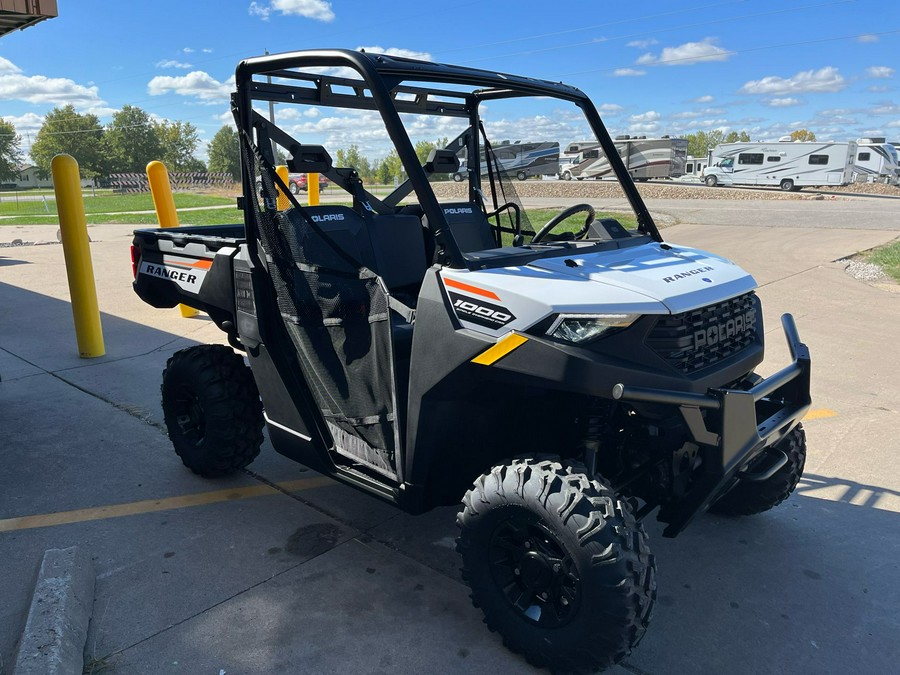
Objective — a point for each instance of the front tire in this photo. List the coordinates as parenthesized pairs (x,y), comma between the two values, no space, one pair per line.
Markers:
(567,175)
(711,181)
(295,189)
(557,563)
(748,498)
(787,185)
(521,175)
(212,410)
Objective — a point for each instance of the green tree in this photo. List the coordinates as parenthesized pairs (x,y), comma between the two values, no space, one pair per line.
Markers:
(353,158)
(132,141)
(390,167)
(178,142)
(10,152)
(225,152)
(66,131)
(802,135)
(735,137)
(703,141)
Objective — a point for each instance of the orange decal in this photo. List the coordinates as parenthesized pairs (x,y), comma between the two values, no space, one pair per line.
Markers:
(470,289)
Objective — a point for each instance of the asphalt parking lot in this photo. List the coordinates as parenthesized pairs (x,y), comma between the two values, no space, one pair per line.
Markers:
(281,570)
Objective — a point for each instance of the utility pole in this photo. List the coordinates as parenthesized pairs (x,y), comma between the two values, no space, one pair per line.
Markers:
(272,117)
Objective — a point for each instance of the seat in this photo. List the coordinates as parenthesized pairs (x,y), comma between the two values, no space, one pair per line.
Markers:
(469,226)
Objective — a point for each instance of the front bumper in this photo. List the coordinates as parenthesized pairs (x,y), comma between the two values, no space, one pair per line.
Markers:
(745,423)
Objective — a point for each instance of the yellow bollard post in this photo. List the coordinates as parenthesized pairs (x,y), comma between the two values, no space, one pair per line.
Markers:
(79,268)
(164,204)
(312,188)
(283,202)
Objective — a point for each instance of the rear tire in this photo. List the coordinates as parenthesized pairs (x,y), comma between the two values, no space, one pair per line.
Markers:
(557,563)
(458,177)
(295,189)
(521,175)
(711,181)
(748,498)
(212,410)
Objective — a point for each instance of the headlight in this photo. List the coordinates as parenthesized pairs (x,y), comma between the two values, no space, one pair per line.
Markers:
(580,328)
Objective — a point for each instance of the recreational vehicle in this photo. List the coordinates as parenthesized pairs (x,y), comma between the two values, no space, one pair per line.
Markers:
(789,166)
(519,159)
(694,166)
(876,162)
(645,158)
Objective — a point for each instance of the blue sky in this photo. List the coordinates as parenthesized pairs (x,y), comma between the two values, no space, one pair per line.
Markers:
(652,67)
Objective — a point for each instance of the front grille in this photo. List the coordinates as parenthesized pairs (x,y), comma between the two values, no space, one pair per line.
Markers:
(695,340)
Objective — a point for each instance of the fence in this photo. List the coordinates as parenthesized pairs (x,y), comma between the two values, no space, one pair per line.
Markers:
(179,180)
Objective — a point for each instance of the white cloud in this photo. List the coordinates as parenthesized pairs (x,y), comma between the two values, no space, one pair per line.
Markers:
(886,109)
(703,99)
(878,88)
(893,125)
(686,55)
(649,116)
(643,44)
(25,124)
(694,114)
(311,9)
(782,102)
(198,84)
(397,51)
(628,72)
(39,89)
(188,50)
(826,79)
(880,72)
(867,38)
(7,66)
(171,63)
(610,108)
(207,50)
(643,128)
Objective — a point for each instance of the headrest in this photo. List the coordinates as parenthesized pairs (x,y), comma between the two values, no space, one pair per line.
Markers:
(442,161)
(309,159)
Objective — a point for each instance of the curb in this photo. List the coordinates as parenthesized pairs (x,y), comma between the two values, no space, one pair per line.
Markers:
(56,628)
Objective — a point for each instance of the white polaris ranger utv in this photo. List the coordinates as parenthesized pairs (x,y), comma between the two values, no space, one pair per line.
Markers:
(430,345)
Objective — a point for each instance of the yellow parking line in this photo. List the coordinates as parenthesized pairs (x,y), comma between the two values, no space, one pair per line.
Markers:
(819,414)
(151,505)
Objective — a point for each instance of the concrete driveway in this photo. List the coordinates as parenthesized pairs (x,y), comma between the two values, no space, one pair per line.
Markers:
(279,570)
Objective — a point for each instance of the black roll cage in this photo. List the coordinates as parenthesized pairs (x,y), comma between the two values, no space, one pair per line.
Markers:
(383,89)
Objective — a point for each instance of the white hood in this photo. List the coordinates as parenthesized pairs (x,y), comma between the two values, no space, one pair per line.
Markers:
(679,277)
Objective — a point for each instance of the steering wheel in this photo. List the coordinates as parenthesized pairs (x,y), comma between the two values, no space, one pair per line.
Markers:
(560,217)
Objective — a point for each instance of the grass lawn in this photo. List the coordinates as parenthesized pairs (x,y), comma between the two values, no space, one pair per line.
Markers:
(108,203)
(97,211)
(888,258)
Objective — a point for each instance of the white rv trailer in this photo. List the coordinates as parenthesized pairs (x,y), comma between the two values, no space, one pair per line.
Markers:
(789,166)
(694,166)
(521,159)
(645,158)
(876,162)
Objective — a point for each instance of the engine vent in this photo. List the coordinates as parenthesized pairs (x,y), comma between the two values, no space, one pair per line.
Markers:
(692,341)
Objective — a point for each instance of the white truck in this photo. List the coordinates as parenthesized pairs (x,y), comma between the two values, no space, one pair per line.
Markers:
(645,158)
(790,166)
(876,162)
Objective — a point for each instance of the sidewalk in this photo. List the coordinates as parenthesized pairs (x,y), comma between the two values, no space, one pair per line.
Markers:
(235,575)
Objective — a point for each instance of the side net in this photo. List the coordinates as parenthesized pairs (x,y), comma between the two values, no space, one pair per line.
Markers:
(336,312)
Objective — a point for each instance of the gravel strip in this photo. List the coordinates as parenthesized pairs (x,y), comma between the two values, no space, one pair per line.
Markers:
(863,271)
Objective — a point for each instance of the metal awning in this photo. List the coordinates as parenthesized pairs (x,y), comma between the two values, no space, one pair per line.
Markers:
(19,14)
